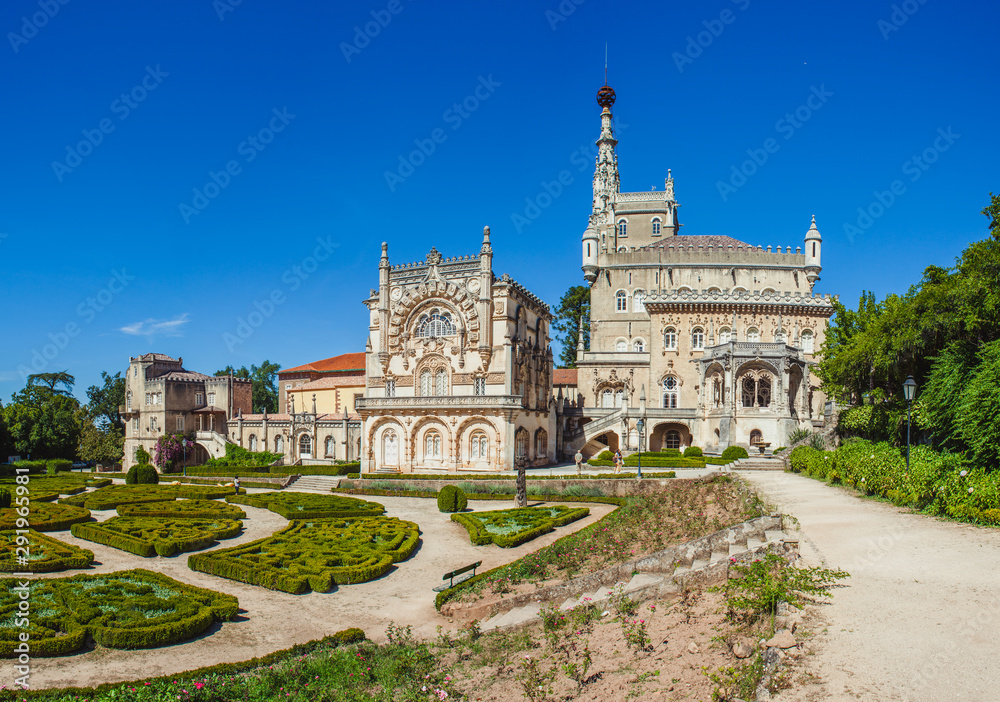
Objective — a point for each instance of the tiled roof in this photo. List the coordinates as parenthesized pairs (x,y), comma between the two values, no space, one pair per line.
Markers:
(157,357)
(287,418)
(209,409)
(184,375)
(564,376)
(337,381)
(343,362)
(709,240)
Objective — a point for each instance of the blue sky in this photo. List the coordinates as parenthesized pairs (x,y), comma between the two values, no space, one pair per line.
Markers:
(235,156)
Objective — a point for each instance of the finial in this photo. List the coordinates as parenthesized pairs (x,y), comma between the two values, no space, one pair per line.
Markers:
(486,234)
(385,253)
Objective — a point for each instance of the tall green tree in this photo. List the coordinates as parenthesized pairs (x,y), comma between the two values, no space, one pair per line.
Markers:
(43,422)
(99,443)
(104,401)
(573,306)
(51,380)
(265,383)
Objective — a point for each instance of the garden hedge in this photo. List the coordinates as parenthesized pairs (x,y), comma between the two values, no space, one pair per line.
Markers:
(149,536)
(306,505)
(127,609)
(142,474)
(338,469)
(512,527)
(734,453)
(42,516)
(498,476)
(187,509)
(113,495)
(654,460)
(692,451)
(451,499)
(45,554)
(4,498)
(315,554)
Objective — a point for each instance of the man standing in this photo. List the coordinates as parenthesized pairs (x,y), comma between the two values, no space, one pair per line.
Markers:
(579,463)
(236,484)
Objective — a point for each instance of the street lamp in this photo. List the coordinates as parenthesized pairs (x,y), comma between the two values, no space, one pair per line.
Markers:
(641,426)
(909,391)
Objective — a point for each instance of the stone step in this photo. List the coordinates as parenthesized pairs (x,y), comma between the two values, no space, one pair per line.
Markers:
(754,543)
(774,535)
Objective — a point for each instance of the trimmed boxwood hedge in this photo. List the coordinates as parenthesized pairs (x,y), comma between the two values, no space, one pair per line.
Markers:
(315,554)
(306,505)
(114,495)
(512,527)
(499,476)
(338,469)
(127,609)
(188,509)
(451,499)
(43,516)
(734,453)
(45,554)
(654,460)
(149,536)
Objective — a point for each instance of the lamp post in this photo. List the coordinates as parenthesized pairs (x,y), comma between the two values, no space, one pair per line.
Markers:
(909,390)
(641,426)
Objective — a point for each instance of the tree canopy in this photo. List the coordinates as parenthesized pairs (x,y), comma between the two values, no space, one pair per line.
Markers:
(105,399)
(573,305)
(265,383)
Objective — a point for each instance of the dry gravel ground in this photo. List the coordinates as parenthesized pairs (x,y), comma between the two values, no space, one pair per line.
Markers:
(919,618)
(270,621)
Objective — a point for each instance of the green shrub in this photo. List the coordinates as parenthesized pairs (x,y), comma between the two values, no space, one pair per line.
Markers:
(113,495)
(148,536)
(304,505)
(142,474)
(42,516)
(142,456)
(339,469)
(734,453)
(150,609)
(59,465)
(512,527)
(451,499)
(692,451)
(177,509)
(4,498)
(315,554)
(33,467)
(48,555)
(237,456)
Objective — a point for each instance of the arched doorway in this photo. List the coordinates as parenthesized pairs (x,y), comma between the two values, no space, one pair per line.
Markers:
(669,435)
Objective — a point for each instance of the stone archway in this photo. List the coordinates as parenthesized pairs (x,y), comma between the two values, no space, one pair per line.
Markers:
(670,435)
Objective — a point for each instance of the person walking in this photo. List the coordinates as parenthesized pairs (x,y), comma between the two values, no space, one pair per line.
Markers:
(236,484)
(618,461)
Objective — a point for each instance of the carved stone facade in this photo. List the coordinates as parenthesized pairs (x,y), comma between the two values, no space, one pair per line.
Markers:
(708,338)
(459,369)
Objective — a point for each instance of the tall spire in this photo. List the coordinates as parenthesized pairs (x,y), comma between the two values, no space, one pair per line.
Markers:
(606,181)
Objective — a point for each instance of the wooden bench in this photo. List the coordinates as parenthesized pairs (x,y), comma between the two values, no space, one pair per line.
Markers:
(450,577)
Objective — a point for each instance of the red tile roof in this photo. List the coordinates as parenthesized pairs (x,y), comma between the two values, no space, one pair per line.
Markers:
(564,376)
(337,364)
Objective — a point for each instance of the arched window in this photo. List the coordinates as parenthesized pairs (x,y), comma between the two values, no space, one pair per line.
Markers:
(331,447)
(441,382)
(780,336)
(725,335)
(426,388)
(808,341)
(390,388)
(753,335)
(622,228)
(739,289)
(305,446)
(756,438)
(656,226)
(479,447)
(621,301)
(767,291)
(521,443)
(621,345)
(670,339)
(128,401)
(619,398)
(390,448)
(432,445)
(638,345)
(697,338)
(435,323)
(541,443)
(608,399)
(279,444)
(637,301)
(253,442)
(672,439)
(756,392)
(670,392)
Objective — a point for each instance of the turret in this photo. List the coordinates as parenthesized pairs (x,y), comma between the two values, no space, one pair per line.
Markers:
(590,244)
(814,245)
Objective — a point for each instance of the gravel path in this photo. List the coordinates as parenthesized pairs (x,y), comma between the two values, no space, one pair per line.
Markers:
(270,620)
(919,618)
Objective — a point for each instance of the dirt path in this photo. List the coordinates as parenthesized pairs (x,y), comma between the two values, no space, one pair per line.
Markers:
(270,621)
(920,616)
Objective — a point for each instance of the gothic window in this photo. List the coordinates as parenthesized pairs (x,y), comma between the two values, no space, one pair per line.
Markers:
(753,335)
(521,443)
(780,336)
(425,384)
(621,301)
(638,345)
(622,228)
(656,226)
(432,445)
(331,447)
(748,392)
(253,442)
(479,447)
(608,399)
(441,382)
(128,401)
(637,301)
(697,338)
(390,388)
(670,339)
(305,446)
(619,398)
(808,341)
(621,345)
(479,386)
(672,439)
(725,335)
(390,448)
(670,392)
(435,323)
(149,398)
(180,422)
(279,444)
(756,392)
(541,443)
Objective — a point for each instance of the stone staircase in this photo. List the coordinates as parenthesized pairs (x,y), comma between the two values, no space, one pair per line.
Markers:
(697,563)
(758,463)
(322,484)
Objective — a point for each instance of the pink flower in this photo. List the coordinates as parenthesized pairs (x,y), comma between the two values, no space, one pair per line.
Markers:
(198,686)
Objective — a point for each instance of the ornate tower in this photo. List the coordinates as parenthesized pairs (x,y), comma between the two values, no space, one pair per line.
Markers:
(606,182)
(814,244)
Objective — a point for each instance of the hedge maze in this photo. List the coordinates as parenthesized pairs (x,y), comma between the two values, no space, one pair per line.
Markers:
(42,516)
(148,536)
(512,527)
(193,509)
(304,505)
(113,495)
(129,609)
(315,554)
(45,554)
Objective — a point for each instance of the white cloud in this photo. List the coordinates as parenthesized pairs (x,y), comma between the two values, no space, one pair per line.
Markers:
(157,327)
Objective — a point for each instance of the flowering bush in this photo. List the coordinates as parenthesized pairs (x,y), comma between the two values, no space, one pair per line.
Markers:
(170,449)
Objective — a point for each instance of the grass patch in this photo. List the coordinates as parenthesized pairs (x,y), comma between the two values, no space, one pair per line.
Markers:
(44,553)
(148,536)
(512,527)
(305,505)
